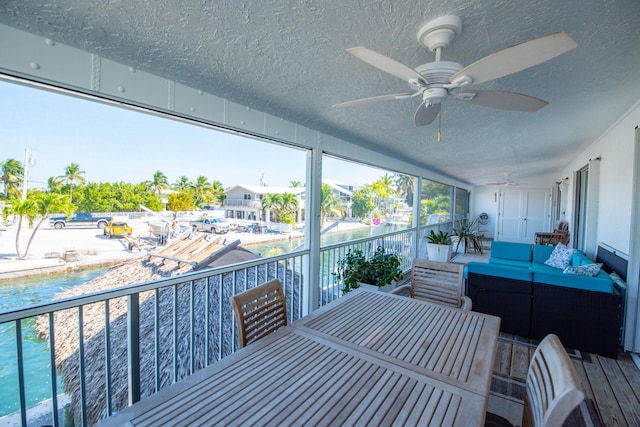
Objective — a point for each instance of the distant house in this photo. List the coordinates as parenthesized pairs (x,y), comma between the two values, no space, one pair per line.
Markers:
(245,201)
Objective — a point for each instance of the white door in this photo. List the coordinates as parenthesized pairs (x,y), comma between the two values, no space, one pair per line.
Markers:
(522,213)
(510,216)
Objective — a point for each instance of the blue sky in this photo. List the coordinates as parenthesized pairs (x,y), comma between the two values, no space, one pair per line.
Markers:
(114,144)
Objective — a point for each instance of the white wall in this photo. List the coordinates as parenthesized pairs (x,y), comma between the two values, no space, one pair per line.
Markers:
(616,148)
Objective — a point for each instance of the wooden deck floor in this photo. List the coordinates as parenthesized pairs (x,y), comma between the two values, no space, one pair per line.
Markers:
(614,385)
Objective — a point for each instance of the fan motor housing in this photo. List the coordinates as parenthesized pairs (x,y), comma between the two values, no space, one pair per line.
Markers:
(438,72)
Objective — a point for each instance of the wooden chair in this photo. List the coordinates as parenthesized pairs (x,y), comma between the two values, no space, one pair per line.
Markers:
(259,311)
(437,282)
(552,388)
(553,238)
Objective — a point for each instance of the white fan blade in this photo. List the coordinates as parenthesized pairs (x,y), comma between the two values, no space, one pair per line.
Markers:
(503,100)
(426,115)
(373,99)
(516,58)
(387,64)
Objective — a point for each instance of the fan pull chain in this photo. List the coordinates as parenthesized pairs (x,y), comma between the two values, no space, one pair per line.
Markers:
(440,126)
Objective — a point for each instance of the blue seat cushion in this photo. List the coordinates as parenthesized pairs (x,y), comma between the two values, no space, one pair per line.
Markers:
(498,270)
(509,262)
(511,251)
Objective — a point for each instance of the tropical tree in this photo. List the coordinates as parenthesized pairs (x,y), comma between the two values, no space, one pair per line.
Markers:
(159,182)
(362,202)
(283,206)
(44,204)
(218,192)
(383,189)
(37,204)
(181,184)
(289,206)
(54,185)
(182,201)
(330,204)
(202,190)
(12,175)
(404,187)
(295,184)
(22,209)
(271,202)
(72,175)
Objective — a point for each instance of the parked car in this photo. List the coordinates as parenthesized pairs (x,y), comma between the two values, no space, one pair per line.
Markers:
(78,219)
(212,225)
(117,228)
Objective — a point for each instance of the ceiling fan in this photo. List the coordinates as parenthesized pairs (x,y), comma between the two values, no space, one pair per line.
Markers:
(507,182)
(435,81)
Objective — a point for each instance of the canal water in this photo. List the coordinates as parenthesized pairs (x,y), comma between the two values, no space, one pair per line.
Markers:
(39,289)
(18,293)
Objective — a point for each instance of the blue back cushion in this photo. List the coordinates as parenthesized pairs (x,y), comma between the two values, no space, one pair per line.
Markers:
(511,251)
(579,259)
(541,253)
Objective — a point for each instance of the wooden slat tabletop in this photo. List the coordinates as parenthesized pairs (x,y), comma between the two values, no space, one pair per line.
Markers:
(451,345)
(316,372)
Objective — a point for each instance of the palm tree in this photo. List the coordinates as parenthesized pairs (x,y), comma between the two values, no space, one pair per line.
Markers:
(329,204)
(289,206)
(383,188)
(283,205)
(12,175)
(159,182)
(44,205)
(202,190)
(23,209)
(404,187)
(217,189)
(181,184)
(295,184)
(72,175)
(53,185)
(271,201)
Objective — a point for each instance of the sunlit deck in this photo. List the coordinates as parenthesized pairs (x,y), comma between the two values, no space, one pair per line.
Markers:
(612,384)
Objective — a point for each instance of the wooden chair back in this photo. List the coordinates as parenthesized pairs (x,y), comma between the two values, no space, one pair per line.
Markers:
(438,282)
(552,388)
(259,311)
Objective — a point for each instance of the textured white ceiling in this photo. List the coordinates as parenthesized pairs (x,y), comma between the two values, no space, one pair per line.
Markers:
(288,58)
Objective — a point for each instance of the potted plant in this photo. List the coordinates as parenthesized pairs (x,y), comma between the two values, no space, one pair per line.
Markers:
(439,246)
(464,233)
(355,269)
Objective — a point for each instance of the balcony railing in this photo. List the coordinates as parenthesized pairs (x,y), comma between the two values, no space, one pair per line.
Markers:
(118,346)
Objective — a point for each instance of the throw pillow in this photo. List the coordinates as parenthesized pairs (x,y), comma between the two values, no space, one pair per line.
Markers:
(590,270)
(560,257)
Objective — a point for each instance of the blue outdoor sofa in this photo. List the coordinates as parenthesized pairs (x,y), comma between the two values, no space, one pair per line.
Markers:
(534,299)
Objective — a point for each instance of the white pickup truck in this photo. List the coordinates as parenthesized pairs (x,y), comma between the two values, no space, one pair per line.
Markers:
(212,225)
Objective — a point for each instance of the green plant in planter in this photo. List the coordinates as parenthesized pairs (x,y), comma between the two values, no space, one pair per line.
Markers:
(380,269)
(439,238)
(466,232)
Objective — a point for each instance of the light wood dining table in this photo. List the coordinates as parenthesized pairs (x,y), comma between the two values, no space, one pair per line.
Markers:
(369,358)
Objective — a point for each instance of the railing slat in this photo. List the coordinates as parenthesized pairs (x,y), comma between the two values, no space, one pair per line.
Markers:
(107,356)
(83,390)
(53,374)
(134,347)
(20,362)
